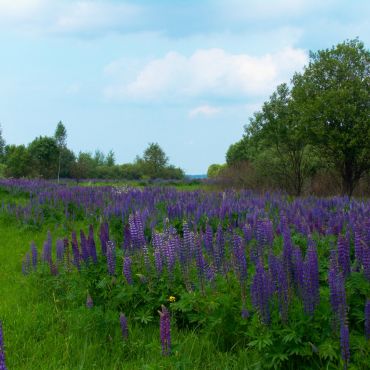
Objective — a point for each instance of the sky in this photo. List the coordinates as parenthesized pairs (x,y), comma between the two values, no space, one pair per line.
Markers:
(185,74)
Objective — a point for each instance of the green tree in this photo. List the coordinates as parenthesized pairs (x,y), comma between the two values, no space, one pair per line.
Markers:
(60,137)
(278,127)
(239,152)
(214,170)
(84,167)
(110,159)
(18,161)
(44,152)
(333,94)
(154,160)
(68,159)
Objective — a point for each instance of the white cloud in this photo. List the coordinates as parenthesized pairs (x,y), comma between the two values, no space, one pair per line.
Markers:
(204,110)
(82,16)
(18,8)
(257,10)
(68,17)
(209,72)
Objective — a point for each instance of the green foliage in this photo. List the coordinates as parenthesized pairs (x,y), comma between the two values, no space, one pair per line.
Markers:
(333,93)
(18,161)
(320,122)
(214,170)
(60,135)
(44,152)
(239,152)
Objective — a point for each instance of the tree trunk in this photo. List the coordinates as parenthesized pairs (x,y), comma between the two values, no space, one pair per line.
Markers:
(60,157)
(349,180)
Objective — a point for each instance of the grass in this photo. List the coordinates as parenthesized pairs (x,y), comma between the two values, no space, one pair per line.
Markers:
(41,333)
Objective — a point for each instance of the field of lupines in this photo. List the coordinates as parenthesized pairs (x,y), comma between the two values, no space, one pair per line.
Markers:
(268,281)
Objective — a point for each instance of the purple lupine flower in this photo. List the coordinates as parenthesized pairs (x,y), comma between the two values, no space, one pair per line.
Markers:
(91,246)
(287,250)
(111,257)
(124,326)
(127,240)
(240,260)
(136,230)
(358,242)
(248,233)
(280,282)
(84,250)
(26,264)
(298,270)
(158,244)
(46,252)
(366,261)
(367,319)
(34,255)
(311,294)
(2,349)
(219,249)
(158,260)
(337,289)
(75,250)
(344,255)
(344,344)
(165,331)
(104,237)
(200,262)
(126,270)
(261,291)
(60,250)
(140,229)
(89,302)
(208,240)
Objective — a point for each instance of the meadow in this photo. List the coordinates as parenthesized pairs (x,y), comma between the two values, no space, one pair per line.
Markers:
(158,277)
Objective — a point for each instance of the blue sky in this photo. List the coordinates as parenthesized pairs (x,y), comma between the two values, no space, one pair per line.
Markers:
(185,74)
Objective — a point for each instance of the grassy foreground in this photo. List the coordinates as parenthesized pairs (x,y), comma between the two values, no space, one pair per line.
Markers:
(40,333)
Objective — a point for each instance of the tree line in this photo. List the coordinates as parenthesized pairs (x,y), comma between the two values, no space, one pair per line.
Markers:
(317,128)
(50,158)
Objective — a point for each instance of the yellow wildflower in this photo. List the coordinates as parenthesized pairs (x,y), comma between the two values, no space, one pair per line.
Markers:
(172,298)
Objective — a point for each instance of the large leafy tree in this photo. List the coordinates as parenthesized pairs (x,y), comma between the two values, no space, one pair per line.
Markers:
(333,94)
(278,132)
(239,152)
(154,160)
(45,153)
(18,161)
(60,137)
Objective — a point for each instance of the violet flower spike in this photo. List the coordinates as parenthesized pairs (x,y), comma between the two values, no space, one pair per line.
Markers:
(2,349)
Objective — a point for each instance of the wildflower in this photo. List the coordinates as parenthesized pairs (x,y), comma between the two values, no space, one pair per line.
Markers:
(124,327)
(111,257)
(172,299)
(261,291)
(60,250)
(127,262)
(165,330)
(2,351)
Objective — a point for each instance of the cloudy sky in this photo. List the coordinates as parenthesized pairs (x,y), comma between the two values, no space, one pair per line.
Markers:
(185,74)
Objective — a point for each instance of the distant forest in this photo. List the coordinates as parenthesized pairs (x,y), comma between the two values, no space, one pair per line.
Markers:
(50,158)
(313,135)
